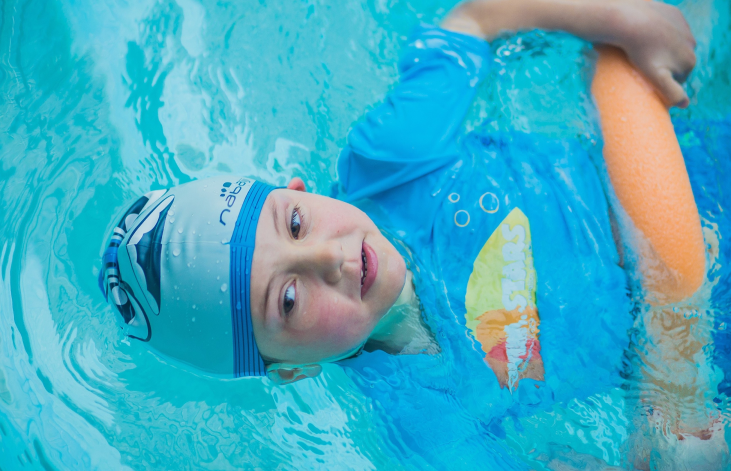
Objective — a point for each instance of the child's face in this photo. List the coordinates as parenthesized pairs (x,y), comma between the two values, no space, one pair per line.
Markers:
(309,300)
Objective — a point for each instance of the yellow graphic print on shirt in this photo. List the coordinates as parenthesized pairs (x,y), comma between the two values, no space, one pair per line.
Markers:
(501,303)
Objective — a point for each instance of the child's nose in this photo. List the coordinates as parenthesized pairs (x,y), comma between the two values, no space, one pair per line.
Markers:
(325,258)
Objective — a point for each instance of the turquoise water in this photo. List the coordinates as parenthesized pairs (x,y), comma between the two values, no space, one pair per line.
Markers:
(103,101)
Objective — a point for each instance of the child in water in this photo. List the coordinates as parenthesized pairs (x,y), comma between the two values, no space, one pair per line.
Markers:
(246,279)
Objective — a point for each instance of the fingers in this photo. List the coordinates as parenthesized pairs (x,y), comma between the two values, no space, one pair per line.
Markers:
(682,67)
(683,39)
(673,14)
(687,32)
(690,60)
(664,52)
(672,92)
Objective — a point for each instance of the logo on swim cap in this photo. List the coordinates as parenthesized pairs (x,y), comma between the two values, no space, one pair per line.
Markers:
(229,195)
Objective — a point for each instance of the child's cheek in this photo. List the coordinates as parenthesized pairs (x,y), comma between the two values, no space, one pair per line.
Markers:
(341,328)
(320,321)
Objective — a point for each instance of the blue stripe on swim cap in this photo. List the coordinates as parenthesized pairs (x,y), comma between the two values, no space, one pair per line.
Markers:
(247,359)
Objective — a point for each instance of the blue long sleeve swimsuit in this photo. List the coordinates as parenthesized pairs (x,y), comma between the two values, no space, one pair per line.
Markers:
(510,242)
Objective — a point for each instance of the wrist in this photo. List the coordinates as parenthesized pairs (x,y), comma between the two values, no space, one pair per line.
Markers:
(607,21)
(489,19)
(597,21)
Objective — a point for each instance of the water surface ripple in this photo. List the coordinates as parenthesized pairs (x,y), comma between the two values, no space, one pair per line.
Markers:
(101,101)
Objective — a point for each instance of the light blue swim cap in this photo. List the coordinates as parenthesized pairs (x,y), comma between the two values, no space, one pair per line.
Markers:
(178,270)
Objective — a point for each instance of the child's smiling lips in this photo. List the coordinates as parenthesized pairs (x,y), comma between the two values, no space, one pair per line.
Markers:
(369,268)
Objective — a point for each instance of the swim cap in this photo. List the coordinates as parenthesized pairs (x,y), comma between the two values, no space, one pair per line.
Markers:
(178,270)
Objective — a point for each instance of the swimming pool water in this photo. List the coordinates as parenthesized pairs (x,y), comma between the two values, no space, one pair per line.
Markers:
(104,100)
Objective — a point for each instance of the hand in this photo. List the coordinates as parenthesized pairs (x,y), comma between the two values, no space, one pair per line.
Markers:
(658,41)
(655,36)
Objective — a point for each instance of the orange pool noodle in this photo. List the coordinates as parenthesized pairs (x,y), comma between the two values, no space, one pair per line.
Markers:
(648,174)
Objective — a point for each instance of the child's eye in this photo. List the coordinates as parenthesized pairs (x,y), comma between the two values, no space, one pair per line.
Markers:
(289,298)
(295,223)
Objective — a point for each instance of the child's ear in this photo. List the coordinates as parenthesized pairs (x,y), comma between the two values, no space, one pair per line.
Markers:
(283,374)
(296,184)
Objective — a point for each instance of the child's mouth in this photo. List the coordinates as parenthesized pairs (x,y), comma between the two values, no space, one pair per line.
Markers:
(363,268)
(368,269)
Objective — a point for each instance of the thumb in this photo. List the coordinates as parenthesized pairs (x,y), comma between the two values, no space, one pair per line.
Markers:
(670,90)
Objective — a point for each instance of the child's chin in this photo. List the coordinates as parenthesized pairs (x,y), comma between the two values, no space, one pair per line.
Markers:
(396,272)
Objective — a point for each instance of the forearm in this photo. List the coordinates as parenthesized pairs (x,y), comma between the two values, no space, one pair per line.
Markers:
(592,20)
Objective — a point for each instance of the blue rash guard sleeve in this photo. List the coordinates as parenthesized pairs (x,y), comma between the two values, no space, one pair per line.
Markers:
(414,132)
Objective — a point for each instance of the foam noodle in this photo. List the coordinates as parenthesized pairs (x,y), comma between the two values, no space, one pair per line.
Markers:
(648,174)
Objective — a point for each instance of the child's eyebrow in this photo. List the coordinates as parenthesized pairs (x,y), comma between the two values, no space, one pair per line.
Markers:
(265,302)
(275,216)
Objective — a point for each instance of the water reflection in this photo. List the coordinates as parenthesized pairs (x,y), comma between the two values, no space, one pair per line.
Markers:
(102,102)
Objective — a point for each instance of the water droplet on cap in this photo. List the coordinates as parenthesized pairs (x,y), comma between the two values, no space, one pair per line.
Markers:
(176,252)
(180,231)
(224,287)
